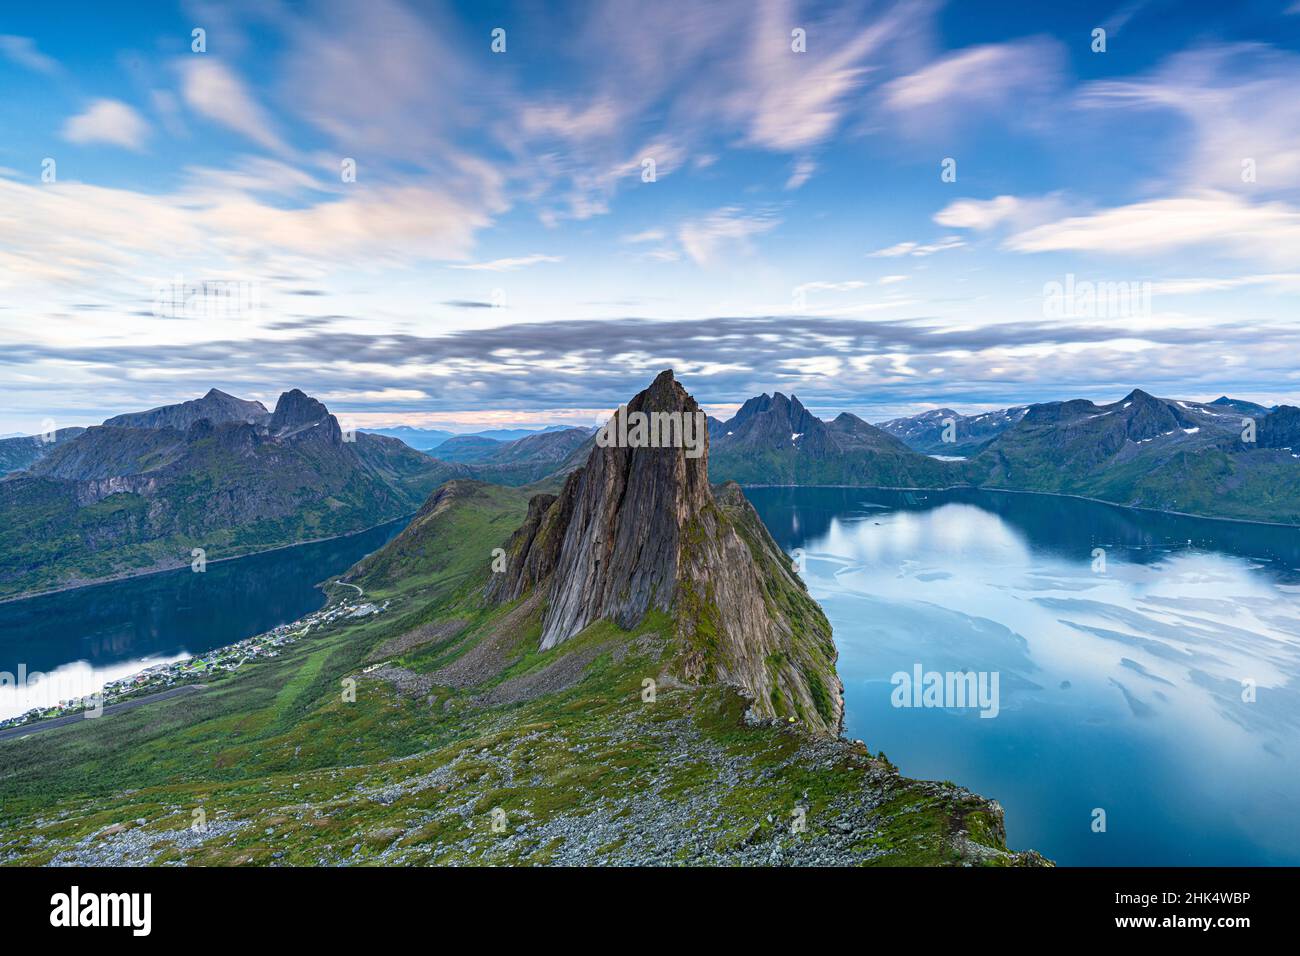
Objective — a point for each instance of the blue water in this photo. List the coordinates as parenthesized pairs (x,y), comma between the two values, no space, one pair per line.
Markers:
(1120,688)
(85,637)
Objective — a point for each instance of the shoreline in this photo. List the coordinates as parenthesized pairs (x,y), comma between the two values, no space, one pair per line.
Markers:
(1046,494)
(129,575)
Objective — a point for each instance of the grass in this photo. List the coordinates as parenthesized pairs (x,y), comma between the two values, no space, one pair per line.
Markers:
(285,771)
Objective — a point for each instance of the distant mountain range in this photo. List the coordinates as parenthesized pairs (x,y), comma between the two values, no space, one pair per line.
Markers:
(19,452)
(426,439)
(1156,453)
(942,431)
(143,490)
(774,440)
(1141,451)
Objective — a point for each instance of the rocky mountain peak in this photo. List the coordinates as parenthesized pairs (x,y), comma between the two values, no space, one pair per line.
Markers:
(638,529)
(1139,397)
(295,411)
(621,548)
(216,406)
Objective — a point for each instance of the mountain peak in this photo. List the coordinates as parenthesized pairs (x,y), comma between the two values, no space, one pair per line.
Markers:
(216,406)
(1137,395)
(296,407)
(296,411)
(638,530)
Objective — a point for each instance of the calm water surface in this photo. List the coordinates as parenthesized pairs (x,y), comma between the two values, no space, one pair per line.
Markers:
(83,638)
(1120,689)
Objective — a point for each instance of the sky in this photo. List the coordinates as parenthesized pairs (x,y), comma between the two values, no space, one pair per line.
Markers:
(495,214)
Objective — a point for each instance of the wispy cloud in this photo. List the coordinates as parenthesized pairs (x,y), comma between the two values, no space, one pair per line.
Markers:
(1224,223)
(508,265)
(1240,103)
(212,89)
(991,75)
(24,52)
(107,121)
(731,228)
(918,248)
(802,172)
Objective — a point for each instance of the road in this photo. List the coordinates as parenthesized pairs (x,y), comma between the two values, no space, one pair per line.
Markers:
(27,729)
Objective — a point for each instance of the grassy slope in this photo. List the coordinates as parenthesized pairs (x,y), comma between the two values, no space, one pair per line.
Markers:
(285,771)
(1256,485)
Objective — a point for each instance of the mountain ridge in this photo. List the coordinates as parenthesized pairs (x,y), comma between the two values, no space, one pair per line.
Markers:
(120,499)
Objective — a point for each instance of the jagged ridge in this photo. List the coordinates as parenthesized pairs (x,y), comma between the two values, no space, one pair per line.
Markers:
(639,529)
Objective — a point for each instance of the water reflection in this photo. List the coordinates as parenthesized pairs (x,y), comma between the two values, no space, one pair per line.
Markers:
(1125,642)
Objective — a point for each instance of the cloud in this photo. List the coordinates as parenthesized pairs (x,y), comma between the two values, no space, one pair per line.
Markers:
(719,358)
(23,51)
(468,304)
(1015,212)
(649,235)
(107,121)
(791,101)
(382,79)
(1277,282)
(109,239)
(803,170)
(213,90)
(1239,102)
(597,119)
(508,265)
(846,286)
(704,239)
(1219,221)
(917,248)
(977,214)
(995,76)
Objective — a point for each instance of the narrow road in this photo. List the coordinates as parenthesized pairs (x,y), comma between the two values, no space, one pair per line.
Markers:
(80,717)
(360,593)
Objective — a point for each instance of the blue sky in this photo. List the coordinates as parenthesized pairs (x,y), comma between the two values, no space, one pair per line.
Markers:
(501,258)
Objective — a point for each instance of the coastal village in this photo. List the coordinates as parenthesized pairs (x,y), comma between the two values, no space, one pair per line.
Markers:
(202,667)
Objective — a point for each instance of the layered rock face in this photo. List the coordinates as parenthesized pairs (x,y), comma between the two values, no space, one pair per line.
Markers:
(638,529)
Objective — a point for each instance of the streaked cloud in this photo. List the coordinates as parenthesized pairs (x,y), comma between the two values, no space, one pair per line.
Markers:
(729,228)
(509,264)
(24,52)
(1239,102)
(212,89)
(722,359)
(107,121)
(918,248)
(1268,232)
(991,75)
